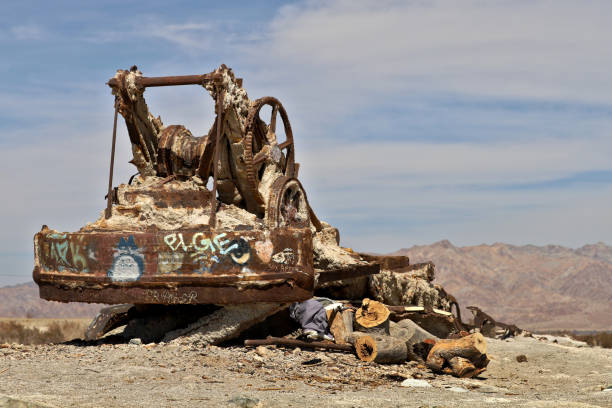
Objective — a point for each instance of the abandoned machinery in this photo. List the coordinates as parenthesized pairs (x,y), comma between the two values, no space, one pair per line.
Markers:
(166,238)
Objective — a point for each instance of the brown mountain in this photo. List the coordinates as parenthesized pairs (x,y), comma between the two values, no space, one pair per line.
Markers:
(535,287)
(23,301)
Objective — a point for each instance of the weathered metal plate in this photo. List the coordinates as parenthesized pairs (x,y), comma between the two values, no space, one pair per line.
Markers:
(175,267)
(169,198)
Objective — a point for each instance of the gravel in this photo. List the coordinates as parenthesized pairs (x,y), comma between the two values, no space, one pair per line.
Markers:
(98,374)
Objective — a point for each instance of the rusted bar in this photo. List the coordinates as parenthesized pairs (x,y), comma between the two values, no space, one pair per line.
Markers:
(219,295)
(171,80)
(271,277)
(347,273)
(109,201)
(279,341)
(212,221)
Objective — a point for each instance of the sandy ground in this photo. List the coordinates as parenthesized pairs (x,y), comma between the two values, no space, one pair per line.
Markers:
(164,375)
(42,323)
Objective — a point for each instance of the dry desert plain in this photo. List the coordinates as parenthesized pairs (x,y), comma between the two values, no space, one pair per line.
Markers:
(111,373)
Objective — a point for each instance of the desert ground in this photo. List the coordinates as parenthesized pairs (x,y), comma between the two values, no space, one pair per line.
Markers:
(559,372)
(44,323)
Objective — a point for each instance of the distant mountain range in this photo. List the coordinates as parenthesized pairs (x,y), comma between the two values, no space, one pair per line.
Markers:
(534,287)
(23,301)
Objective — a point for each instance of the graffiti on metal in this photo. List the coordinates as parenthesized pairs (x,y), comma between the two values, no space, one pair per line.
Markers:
(175,267)
(169,262)
(128,261)
(169,298)
(205,251)
(129,258)
(67,254)
(286,256)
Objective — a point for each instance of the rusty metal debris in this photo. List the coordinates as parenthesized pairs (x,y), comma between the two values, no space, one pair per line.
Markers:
(165,238)
(107,319)
(293,343)
(489,326)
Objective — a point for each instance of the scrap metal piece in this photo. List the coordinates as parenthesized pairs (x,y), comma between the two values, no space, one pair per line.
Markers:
(355,271)
(145,82)
(288,205)
(107,319)
(212,223)
(486,324)
(279,341)
(109,203)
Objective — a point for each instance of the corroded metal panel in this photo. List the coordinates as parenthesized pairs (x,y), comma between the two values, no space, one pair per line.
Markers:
(175,267)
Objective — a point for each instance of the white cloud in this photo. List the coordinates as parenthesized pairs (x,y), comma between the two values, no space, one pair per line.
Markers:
(189,37)
(539,49)
(27,32)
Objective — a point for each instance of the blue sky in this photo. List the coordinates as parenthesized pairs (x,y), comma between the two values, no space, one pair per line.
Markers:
(415,121)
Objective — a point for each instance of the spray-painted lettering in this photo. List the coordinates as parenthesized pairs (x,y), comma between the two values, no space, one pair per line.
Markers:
(205,249)
(67,254)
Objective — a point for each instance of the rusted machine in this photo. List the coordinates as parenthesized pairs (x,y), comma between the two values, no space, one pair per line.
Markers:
(167,238)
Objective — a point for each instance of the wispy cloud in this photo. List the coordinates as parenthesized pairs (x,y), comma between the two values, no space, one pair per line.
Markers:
(539,49)
(27,32)
(467,163)
(190,37)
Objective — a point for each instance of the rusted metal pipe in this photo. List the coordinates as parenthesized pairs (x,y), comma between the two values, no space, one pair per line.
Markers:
(171,80)
(212,221)
(279,341)
(109,201)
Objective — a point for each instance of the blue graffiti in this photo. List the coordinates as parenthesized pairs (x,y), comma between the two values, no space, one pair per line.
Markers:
(128,261)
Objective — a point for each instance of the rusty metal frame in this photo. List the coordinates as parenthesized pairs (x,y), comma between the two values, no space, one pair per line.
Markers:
(175,267)
(147,82)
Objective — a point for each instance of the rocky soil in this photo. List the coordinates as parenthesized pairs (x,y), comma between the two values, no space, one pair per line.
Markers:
(78,374)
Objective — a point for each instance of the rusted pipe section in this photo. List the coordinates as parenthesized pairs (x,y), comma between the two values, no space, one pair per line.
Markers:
(212,221)
(356,271)
(279,341)
(171,80)
(109,197)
